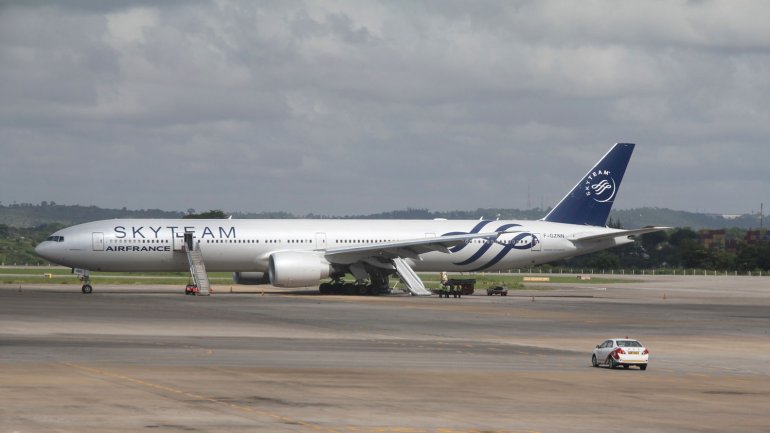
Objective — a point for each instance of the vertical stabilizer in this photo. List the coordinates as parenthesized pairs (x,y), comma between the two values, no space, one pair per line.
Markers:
(590,201)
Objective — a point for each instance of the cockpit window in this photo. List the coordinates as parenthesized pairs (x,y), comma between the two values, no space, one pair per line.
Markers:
(55,238)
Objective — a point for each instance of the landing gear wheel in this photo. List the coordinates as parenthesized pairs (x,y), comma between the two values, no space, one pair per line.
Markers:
(325,288)
(594,362)
(86,289)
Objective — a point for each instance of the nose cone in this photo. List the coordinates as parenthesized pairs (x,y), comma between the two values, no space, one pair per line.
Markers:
(43,250)
(57,247)
(50,248)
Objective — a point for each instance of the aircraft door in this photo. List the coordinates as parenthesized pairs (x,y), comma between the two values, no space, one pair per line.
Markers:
(537,243)
(188,240)
(98,241)
(320,241)
(178,240)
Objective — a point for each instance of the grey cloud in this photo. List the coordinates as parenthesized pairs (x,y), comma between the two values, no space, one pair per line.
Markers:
(359,107)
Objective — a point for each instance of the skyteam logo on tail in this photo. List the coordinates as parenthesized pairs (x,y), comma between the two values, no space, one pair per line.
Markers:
(600,186)
(589,202)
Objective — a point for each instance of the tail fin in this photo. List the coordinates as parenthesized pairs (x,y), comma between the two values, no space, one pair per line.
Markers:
(590,201)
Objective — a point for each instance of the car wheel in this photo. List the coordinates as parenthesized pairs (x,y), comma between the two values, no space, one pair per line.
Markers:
(594,362)
(643,367)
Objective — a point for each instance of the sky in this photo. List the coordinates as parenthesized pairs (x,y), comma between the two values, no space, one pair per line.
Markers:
(356,107)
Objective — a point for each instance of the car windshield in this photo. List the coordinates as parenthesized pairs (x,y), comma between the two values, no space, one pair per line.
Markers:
(629,343)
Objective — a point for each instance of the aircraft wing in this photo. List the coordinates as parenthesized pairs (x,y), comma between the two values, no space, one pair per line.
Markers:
(618,234)
(403,249)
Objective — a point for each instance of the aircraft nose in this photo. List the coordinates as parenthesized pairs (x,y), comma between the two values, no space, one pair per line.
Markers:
(46,250)
(40,250)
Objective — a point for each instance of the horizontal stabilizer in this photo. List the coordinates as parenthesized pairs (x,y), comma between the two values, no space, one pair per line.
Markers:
(619,233)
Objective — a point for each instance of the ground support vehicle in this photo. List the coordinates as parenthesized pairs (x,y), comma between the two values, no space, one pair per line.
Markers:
(497,290)
(456,287)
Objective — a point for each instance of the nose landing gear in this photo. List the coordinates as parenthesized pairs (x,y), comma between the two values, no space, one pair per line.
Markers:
(85,277)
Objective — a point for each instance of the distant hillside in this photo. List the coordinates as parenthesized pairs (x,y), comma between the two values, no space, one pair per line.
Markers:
(29,215)
(633,218)
(412,214)
(491,213)
(628,218)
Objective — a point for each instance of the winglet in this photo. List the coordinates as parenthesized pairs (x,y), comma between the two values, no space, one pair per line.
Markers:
(590,201)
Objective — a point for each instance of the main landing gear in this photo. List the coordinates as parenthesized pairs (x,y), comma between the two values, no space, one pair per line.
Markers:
(377,287)
(346,288)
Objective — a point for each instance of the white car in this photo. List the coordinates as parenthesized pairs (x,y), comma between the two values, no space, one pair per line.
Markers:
(620,351)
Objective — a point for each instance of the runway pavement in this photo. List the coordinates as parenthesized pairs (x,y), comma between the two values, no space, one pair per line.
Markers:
(135,358)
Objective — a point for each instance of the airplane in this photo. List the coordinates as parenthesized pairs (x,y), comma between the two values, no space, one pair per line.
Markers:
(296,253)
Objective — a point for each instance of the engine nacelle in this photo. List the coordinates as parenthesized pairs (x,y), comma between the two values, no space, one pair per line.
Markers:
(251,278)
(297,269)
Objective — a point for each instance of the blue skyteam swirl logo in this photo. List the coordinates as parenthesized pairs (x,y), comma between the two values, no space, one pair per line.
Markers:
(600,186)
(513,244)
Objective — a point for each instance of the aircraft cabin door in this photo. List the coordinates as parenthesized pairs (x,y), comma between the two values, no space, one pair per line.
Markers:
(537,244)
(98,241)
(188,240)
(320,241)
(178,241)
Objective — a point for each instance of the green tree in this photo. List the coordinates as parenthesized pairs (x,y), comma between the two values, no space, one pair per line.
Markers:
(653,241)
(723,261)
(691,254)
(754,257)
(680,235)
(212,214)
(604,260)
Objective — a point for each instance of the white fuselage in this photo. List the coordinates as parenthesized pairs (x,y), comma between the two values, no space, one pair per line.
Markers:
(246,245)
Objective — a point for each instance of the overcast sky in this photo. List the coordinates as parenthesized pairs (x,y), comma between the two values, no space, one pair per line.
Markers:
(358,107)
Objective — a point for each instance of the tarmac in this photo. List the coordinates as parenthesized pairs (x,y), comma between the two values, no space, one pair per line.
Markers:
(258,359)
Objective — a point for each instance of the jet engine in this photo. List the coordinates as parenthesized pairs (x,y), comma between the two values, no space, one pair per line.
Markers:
(250,278)
(297,269)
